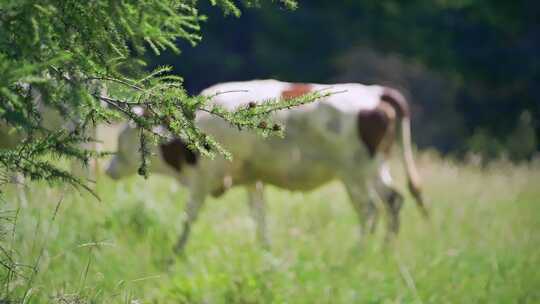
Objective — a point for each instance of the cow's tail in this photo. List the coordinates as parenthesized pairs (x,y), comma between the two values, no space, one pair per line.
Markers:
(400,105)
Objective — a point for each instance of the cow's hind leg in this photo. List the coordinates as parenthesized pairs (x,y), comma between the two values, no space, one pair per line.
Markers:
(193,206)
(359,195)
(392,199)
(372,216)
(257,209)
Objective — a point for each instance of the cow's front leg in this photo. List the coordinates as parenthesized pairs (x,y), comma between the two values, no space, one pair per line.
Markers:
(19,181)
(257,209)
(193,206)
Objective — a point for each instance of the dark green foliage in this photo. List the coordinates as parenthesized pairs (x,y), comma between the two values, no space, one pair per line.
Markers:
(484,55)
(82,61)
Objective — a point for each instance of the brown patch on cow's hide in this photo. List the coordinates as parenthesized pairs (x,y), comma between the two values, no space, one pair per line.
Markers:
(373,126)
(175,153)
(296,90)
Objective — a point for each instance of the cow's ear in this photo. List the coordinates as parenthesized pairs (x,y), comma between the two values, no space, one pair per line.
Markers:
(175,153)
(138,110)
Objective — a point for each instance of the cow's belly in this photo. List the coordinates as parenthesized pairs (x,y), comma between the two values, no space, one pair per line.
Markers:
(300,178)
(290,167)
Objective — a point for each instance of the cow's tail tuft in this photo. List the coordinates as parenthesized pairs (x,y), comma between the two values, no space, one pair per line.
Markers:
(399,103)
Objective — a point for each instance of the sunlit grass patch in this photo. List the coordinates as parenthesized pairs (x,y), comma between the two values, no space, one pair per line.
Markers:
(481,244)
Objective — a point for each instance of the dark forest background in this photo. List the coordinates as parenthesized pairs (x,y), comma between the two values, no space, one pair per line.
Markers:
(470,68)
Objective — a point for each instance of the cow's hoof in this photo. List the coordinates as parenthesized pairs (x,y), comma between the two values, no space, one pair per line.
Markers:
(165,262)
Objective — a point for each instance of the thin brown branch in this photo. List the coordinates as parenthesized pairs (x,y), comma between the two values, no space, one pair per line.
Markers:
(120,81)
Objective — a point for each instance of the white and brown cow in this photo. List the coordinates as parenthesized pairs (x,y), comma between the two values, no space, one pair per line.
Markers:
(345,136)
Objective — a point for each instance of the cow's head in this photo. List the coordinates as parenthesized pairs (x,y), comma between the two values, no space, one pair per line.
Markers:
(169,157)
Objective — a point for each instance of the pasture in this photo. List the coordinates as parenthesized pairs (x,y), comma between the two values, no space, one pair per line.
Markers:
(481,245)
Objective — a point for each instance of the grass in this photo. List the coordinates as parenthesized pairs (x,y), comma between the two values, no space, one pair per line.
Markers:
(481,246)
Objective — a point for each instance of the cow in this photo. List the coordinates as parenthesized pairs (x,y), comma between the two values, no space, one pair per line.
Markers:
(345,136)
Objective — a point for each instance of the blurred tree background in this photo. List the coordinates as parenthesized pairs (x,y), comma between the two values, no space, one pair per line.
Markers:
(469,67)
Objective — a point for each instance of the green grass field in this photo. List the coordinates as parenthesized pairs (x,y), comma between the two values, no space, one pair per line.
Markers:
(482,244)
